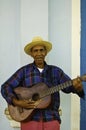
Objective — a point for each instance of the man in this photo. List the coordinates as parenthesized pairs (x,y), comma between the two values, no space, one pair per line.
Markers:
(35,73)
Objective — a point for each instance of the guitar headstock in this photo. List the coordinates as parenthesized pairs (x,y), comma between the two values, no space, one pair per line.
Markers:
(83,77)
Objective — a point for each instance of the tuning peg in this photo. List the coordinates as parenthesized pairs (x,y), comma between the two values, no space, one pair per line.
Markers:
(83,77)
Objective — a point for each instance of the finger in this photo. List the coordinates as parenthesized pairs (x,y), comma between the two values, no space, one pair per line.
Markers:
(29,101)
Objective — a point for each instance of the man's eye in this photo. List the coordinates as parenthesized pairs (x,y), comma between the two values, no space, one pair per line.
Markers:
(41,50)
(35,50)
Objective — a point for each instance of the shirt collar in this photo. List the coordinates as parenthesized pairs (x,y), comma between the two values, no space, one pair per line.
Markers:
(45,65)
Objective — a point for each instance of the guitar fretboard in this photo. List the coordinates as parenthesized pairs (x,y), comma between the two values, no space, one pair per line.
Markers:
(55,89)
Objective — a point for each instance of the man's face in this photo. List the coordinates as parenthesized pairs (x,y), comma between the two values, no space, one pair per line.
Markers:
(38,53)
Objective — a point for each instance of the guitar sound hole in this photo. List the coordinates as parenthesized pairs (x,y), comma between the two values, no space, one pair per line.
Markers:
(35,97)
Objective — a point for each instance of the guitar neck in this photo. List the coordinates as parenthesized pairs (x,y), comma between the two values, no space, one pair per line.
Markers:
(55,89)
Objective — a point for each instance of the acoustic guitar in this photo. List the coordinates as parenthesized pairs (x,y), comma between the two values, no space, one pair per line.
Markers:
(37,92)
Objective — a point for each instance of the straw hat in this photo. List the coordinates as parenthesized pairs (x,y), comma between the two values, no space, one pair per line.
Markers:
(37,41)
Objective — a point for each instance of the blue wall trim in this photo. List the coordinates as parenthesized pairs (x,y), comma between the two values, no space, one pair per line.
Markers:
(83,63)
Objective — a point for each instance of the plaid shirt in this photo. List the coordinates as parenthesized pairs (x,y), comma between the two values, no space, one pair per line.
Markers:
(28,76)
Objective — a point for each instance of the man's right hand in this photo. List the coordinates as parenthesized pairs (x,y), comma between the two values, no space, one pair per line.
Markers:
(29,104)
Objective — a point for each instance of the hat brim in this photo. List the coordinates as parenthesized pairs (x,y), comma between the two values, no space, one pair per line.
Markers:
(30,45)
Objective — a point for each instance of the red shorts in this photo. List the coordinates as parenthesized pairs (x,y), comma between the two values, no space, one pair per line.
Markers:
(34,125)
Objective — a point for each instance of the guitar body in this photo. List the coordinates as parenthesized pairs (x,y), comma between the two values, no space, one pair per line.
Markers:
(19,114)
(33,93)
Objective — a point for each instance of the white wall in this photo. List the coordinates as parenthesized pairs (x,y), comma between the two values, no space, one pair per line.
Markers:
(75,100)
(9,48)
(64,32)
(60,34)
(20,20)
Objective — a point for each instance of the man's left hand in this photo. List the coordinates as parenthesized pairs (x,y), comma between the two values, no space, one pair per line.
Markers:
(77,84)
